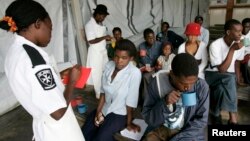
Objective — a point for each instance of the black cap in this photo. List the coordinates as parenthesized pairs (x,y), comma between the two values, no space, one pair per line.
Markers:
(101,9)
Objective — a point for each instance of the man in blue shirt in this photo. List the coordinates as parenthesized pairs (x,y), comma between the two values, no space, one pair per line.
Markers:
(149,51)
(163,108)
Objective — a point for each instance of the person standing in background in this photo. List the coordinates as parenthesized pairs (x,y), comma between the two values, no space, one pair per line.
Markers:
(97,54)
(204,36)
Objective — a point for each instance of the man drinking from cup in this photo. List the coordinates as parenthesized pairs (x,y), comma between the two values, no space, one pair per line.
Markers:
(169,95)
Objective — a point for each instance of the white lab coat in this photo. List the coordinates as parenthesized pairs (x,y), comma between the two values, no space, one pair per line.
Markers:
(97,54)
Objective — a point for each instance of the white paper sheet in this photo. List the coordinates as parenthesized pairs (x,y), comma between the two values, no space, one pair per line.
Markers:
(138,135)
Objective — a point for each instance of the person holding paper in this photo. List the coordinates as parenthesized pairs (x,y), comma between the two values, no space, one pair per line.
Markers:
(32,78)
(120,91)
(163,109)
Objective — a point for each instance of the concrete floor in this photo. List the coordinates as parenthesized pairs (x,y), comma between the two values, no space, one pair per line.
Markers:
(17,124)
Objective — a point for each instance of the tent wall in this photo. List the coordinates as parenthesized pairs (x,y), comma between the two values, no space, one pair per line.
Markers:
(68,43)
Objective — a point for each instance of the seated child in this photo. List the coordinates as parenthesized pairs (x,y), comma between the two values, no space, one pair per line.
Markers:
(164,61)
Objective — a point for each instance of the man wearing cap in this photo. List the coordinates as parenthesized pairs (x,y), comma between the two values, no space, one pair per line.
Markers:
(195,47)
(204,36)
(97,53)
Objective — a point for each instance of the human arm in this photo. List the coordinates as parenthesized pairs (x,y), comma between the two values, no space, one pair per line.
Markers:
(130,125)
(228,60)
(154,106)
(91,35)
(132,98)
(68,92)
(196,117)
(99,109)
(99,39)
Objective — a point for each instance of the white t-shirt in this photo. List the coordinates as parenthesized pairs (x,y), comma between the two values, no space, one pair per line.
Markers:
(218,51)
(122,91)
(93,31)
(166,64)
(39,90)
(201,54)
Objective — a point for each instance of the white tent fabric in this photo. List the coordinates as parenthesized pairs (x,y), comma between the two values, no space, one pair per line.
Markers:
(132,16)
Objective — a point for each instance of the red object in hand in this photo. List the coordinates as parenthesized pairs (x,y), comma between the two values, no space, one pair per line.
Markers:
(143,52)
(82,80)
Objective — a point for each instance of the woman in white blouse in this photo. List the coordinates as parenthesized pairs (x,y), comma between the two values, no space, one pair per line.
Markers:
(119,95)
(195,47)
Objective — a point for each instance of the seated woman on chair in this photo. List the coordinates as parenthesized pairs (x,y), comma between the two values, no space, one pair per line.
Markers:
(120,91)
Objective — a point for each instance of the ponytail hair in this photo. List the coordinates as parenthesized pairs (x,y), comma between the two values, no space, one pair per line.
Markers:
(21,14)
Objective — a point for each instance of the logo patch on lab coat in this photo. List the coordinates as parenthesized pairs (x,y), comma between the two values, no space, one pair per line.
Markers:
(46,79)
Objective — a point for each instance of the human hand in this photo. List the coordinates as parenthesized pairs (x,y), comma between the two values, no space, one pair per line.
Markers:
(148,69)
(133,127)
(159,65)
(172,97)
(99,119)
(237,46)
(75,73)
(108,37)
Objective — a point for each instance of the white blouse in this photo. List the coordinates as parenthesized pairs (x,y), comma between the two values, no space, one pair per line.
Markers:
(122,91)
(201,54)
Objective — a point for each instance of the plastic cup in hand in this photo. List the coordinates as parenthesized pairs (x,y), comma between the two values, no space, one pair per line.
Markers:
(188,98)
(147,66)
(82,108)
(246,42)
(113,43)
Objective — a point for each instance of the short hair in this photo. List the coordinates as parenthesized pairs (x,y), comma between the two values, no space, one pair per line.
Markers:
(116,29)
(230,23)
(126,45)
(166,23)
(24,13)
(147,31)
(165,44)
(246,20)
(185,65)
(198,17)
